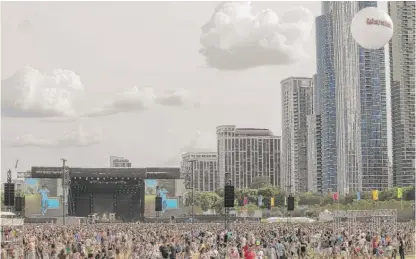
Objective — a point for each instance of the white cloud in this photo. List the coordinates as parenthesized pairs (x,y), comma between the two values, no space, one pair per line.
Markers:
(177,98)
(235,38)
(31,93)
(133,99)
(75,138)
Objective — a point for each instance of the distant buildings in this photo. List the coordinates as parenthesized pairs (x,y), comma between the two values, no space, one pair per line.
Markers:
(247,153)
(402,76)
(119,162)
(205,169)
(297,104)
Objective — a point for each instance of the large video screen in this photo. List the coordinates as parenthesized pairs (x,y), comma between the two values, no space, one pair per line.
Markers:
(166,189)
(43,197)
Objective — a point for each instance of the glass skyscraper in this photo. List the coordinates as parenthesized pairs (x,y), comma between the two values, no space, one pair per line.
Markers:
(375,161)
(324,100)
(402,76)
(351,102)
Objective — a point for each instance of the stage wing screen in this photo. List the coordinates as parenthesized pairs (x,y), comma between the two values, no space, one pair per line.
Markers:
(166,189)
(43,197)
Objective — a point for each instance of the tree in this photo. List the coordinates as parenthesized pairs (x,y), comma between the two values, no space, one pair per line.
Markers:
(308,198)
(219,205)
(259,182)
(409,193)
(251,194)
(206,200)
(267,192)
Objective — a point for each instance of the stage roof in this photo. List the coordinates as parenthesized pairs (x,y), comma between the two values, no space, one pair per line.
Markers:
(143,173)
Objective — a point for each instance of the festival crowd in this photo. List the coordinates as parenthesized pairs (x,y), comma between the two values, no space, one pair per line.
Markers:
(208,241)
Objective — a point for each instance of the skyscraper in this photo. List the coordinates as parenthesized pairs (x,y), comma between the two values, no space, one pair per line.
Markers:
(374,150)
(324,99)
(402,76)
(351,103)
(247,153)
(347,97)
(297,103)
(204,166)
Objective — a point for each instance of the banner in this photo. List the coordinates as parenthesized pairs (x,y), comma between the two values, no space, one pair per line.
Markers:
(335,196)
(245,201)
(260,200)
(272,202)
(358,196)
(399,193)
(375,195)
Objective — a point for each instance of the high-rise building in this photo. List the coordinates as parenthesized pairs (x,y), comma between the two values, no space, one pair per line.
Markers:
(325,98)
(248,153)
(297,103)
(314,142)
(351,102)
(314,153)
(402,76)
(347,97)
(204,167)
(373,99)
(117,161)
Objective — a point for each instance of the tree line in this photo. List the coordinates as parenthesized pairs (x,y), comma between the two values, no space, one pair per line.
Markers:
(215,200)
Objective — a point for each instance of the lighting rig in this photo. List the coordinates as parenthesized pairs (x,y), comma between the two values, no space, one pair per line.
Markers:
(121,185)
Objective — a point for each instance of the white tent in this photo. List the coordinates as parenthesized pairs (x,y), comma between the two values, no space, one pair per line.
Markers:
(7,218)
(326,216)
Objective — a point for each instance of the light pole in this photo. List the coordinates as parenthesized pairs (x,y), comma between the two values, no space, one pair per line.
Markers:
(192,196)
(193,190)
(64,186)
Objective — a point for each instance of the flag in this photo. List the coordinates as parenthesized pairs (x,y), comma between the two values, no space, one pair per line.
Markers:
(358,196)
(272,202)
(375,195)
(335,196)
(260,200)
(399,193)
(245,201)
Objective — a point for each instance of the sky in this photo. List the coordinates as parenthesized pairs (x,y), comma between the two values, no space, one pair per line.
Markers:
(144,80)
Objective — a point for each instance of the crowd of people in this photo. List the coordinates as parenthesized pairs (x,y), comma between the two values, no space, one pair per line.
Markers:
(206,241)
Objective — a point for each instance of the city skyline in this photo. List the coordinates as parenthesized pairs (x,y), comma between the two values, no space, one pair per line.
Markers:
(154,127)
(175,118)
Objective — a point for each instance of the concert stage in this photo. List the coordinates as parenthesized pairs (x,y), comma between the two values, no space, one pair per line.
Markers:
(106,190)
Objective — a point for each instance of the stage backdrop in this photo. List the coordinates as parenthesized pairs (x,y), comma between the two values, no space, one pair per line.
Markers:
(167,191)
(43,197)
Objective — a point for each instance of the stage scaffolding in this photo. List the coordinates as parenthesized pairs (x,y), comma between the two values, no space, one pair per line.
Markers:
(376,221)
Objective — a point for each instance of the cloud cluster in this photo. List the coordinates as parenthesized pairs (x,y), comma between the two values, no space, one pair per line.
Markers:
(176,98)
(132,99)
(31,93)
(75,138)
(235,38)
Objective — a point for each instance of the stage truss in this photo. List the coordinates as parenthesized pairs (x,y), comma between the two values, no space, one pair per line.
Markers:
(376,221)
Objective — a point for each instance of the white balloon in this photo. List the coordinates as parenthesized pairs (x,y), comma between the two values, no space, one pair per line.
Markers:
(372,28)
